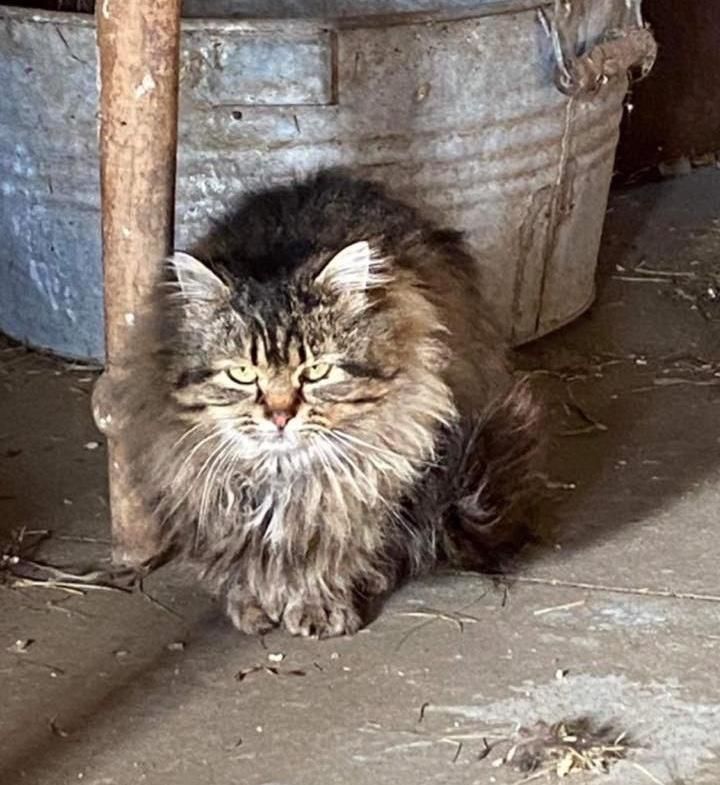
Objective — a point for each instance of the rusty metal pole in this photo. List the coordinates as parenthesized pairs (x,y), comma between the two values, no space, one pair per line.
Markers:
(138,44)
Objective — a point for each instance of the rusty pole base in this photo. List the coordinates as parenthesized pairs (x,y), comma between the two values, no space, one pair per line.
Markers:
(137,541)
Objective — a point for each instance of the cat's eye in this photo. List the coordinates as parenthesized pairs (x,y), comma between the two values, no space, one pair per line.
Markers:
(242,374)
(316,372)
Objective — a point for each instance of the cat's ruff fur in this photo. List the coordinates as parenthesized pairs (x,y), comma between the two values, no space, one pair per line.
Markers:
(416,448)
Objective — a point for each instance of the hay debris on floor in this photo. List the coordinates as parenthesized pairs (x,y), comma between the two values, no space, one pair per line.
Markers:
(19,570)
(566,747)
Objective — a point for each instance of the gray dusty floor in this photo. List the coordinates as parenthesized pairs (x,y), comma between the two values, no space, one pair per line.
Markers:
(618,619)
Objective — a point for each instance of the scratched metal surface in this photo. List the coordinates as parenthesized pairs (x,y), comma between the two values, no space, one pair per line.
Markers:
(460,114)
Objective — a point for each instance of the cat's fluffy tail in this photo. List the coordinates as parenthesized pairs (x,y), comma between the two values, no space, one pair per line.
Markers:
(497,485)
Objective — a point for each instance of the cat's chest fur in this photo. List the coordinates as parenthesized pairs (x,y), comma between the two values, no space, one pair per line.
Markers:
(291,508)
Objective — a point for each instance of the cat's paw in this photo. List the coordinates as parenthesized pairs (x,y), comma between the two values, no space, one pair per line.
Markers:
(320,619)
(247,615)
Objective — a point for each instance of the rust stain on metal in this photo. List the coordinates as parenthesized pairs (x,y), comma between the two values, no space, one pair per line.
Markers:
(531,255)
(624,51)
(556,213)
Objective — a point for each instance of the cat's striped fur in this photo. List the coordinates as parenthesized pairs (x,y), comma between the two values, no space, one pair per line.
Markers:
(416,447)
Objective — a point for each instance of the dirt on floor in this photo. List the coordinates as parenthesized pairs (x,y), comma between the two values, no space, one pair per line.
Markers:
(602,651)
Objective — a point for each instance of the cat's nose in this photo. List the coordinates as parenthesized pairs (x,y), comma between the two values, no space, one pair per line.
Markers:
(280,419)
(280,406)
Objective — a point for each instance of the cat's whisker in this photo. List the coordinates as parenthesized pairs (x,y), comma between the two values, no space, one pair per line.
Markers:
(186,435)
(346,453)
(397,516)
(214,434)
(225,473)
(391,457)
(221,455)
(179,473)
(351,471)
(368,445)
(354,442)
(331,477)
(414,460)
(377,464)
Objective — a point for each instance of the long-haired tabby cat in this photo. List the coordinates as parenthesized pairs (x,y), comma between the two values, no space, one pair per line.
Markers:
(322,409)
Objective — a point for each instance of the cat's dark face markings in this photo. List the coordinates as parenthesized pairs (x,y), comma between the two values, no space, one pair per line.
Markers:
(284,365)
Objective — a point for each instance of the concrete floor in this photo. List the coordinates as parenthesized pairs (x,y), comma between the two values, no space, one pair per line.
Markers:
(115,690)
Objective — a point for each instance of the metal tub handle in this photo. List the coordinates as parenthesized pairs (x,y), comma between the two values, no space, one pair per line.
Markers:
(621,50)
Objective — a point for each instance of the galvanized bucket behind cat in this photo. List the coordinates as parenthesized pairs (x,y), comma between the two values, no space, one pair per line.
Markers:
(502,115)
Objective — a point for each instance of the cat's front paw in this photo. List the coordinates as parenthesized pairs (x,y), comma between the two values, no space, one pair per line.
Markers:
(246,614)
(320,619)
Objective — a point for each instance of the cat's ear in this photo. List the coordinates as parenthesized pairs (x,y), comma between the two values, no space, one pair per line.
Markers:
(193,280)
(356,268)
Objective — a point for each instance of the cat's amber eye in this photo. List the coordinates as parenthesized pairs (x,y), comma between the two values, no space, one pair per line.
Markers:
(316,372)
(242,374)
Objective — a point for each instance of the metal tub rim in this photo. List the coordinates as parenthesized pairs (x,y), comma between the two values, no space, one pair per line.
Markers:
(482,8)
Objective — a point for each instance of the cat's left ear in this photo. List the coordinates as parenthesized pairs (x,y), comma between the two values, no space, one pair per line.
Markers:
(356,268)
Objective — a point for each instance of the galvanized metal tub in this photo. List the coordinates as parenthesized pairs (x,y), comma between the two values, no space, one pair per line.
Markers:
(456,108)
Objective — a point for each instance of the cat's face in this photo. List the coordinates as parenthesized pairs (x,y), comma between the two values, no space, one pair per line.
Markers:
(286,367)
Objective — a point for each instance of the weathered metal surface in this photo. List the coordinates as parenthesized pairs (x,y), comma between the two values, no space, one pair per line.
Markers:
(138,48)
(456,109)
(239,66)
(51,292)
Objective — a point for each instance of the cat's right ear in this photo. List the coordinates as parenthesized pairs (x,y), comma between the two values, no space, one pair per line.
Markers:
(194,281)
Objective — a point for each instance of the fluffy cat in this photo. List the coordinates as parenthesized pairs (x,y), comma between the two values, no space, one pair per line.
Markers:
(321,408)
